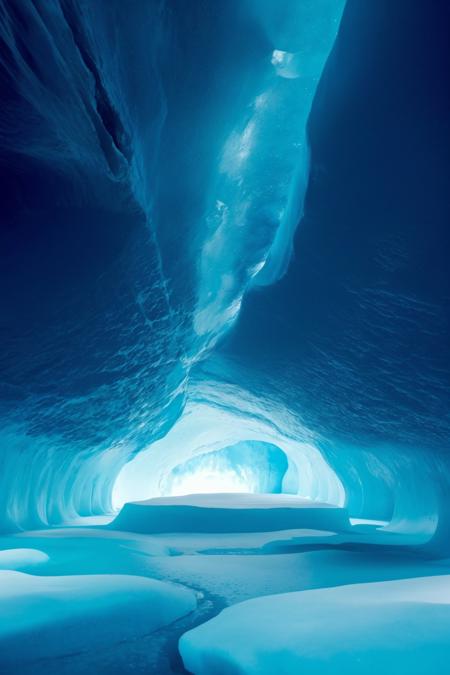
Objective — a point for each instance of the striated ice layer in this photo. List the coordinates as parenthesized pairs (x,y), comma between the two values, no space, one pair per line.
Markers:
(154,162)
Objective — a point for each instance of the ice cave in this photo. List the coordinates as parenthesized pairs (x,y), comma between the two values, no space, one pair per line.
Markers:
(225,337)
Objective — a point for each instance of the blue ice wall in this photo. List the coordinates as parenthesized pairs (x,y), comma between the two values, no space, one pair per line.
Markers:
(90,343)
(158,254)
(361,320)
(153,161)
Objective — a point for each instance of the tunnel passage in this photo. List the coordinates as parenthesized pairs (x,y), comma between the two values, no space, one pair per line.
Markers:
(214,449)
(248,466)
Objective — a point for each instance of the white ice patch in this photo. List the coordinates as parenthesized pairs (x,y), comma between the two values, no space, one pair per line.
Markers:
(286,64)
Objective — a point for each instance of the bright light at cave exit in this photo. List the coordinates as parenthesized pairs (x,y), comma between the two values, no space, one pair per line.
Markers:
(209,481)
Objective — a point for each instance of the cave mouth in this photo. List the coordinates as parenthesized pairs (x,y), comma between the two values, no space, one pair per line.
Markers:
(247,466)
(213,450)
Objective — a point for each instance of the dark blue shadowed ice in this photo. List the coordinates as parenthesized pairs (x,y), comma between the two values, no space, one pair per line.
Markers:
(224,270)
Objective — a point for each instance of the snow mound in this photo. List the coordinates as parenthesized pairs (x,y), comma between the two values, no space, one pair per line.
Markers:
(21,558)
(230,512)
(56,616)
(393,627)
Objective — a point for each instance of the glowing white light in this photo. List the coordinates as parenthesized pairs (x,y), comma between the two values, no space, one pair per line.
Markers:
(208,481)
(287,64)
(278,56)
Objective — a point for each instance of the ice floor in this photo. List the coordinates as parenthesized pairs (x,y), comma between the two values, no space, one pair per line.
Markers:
(339,595)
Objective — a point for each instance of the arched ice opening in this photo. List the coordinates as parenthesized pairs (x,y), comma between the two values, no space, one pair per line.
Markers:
(213,449)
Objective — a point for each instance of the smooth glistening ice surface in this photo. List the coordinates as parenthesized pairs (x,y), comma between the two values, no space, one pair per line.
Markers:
(391,627)
(59,615)
(103,600)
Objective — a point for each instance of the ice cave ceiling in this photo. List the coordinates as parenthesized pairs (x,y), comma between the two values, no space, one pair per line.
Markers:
(223,236)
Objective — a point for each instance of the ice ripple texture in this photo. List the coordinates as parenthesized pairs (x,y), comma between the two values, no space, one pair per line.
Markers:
(154,166)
